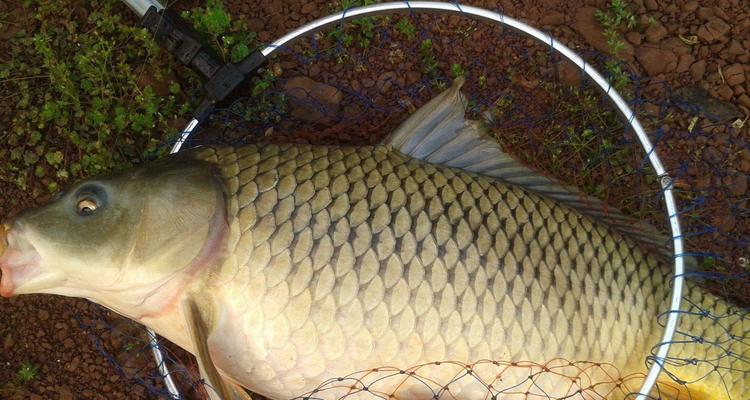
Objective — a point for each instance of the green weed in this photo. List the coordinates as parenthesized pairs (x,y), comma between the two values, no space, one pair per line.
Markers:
(82,107)
(361,30)
(367,30)
(482,82)
(617,76)
(406,28)
(457,70)
(708,264)
(502,108)
(232,38)
(582,150)
(427,57)
(617,17)
(594,144)
(266,106)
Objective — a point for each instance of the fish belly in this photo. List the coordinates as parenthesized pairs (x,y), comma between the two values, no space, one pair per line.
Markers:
(362,270)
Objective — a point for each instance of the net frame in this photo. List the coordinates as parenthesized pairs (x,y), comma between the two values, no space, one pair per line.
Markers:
(664,179)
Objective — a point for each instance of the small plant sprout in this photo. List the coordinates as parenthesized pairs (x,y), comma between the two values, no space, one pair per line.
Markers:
(361,30)
(427,56)
(457,70)
(27,373)
(617,17)
(616,75)
(482,82)
(614,19)
(406,28)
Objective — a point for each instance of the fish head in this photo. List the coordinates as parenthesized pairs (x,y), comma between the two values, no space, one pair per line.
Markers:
(115,237)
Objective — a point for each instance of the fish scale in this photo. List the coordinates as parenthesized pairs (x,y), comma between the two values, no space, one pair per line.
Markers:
(438,264)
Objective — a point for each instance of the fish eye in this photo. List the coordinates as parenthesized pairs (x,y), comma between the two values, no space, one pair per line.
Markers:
(90,198)
(87,206)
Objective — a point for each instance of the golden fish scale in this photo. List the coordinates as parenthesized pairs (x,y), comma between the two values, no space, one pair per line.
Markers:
(351,258)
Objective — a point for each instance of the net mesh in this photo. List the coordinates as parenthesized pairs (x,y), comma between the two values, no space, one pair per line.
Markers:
(355,83)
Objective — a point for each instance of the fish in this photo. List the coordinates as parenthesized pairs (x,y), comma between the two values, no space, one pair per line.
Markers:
(431,265)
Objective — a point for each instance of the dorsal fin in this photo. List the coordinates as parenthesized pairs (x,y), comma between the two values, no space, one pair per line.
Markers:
(438,133)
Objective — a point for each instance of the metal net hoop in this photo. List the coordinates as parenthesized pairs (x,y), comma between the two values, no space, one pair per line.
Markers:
(665,181)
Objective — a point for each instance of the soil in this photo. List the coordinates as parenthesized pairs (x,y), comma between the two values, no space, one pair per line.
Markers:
(80,355)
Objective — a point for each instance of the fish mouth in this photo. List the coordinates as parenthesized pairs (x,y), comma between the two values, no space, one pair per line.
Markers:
(17,267)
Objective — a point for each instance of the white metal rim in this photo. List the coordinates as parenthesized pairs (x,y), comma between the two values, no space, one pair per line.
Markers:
(544,38)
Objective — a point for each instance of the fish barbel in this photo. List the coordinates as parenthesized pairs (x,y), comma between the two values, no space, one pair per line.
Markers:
(282,267)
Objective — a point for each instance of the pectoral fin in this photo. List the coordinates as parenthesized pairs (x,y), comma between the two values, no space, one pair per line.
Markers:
(217,387)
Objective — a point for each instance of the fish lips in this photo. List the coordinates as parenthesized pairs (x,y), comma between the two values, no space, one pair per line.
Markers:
(19,264)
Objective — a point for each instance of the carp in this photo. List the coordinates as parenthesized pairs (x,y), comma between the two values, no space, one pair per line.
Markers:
(433,264)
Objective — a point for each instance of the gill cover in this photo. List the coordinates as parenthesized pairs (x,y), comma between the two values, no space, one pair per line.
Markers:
(179,215)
